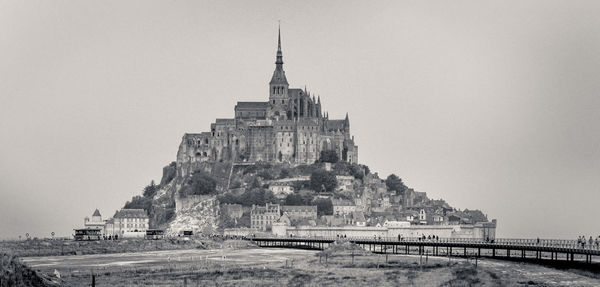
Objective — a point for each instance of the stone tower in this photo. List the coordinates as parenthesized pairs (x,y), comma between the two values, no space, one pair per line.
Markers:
(278,86)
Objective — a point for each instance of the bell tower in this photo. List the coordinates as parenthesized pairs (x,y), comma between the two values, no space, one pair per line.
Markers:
(278,86)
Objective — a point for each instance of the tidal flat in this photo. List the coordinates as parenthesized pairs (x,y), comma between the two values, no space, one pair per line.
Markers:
(293,267)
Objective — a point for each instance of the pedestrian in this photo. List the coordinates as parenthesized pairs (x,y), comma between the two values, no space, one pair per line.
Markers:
(591,241)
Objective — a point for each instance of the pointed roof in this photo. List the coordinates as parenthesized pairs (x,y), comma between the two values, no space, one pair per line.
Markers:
(279,73)
(96,213)
(131,213)
(347,121)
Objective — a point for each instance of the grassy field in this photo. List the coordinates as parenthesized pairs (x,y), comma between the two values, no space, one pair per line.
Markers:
(48,247)
(289,267)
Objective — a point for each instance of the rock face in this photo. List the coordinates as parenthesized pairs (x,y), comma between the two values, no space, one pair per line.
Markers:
(196,213)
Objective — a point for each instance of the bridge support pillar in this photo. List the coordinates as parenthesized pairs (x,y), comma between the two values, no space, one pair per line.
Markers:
(493,252)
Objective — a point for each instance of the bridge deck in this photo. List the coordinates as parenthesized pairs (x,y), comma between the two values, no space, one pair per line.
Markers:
(385,245)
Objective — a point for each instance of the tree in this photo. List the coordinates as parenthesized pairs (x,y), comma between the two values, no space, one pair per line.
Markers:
(284,173)
(321,179)
(345,168)
(294,199)
(324,206)
(329,156)
(139,202)
(150,190)
(200,183)
(366,169)
(393,182)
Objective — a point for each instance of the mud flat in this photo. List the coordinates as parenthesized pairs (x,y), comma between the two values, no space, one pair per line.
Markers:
(272,266)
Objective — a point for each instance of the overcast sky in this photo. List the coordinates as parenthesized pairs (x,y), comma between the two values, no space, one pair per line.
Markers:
(488,104)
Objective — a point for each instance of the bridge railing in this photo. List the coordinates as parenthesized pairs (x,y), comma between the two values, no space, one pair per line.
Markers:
(559,243)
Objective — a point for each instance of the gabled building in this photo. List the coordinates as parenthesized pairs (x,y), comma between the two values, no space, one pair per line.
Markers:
(129,223)
(342,207)
(263,217)
(297,212)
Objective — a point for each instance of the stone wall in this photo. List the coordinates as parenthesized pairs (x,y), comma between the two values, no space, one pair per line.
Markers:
(477,231)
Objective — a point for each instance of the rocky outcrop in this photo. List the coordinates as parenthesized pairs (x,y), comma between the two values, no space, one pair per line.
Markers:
(196,213)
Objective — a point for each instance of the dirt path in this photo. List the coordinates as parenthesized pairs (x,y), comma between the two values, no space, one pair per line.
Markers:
(238,256)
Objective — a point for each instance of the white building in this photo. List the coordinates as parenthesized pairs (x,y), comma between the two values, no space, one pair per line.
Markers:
(345,182)
(95,222)
(342,207)
(127,223)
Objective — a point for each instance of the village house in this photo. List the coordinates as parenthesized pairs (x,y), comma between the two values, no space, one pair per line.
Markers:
(281,188)
(359,218)
(345,182)
(263,217)
(128,223)
(298,212)
(342,206)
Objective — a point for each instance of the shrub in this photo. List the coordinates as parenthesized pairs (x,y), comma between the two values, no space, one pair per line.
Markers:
(322,179)
(393,182)
(200,183)
(329,156)
(324,206)
(150,190)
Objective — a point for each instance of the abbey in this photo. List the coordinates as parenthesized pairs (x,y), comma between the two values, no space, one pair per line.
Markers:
(290,127)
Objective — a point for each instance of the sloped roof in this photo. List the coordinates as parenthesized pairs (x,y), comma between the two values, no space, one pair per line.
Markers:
(96,213)
(298,208)
(335,124)
(341,202)
(252,105)
(131,213)
(224,121)
(358,216)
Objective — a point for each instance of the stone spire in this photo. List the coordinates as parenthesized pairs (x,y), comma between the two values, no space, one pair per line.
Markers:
(279,61)
(347,122)
(279,84)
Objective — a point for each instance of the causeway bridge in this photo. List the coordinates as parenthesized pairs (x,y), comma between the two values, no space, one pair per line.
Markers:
(548,249)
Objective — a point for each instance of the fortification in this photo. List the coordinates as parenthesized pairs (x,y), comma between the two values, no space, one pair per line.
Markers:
(289,127)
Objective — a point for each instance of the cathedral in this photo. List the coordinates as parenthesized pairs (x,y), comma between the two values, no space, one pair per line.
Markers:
(288,128)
